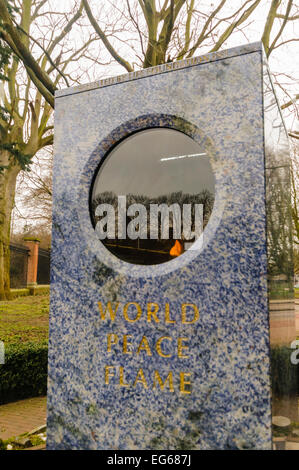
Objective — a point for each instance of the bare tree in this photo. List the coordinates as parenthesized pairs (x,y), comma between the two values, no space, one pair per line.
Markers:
(26,125)
(145,33)
(33,204)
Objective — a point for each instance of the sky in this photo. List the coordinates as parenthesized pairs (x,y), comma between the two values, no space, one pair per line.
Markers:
(171,162)
(283,60)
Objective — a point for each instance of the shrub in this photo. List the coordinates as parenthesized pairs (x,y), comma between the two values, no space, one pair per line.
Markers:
(284,374)
(24,373)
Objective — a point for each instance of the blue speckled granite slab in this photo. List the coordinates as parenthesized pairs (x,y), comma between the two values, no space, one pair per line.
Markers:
(219,397)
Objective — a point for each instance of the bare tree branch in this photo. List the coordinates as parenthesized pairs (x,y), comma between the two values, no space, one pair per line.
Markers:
(272,14)
(288,9)
(290,103)
(294,135)
(203,32)
(44,51)
(49,97)
(224,36)
(187,31)
(23,52)
(104,38)
(65,30)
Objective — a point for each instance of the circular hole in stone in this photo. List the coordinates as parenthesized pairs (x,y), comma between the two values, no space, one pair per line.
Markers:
(152,196)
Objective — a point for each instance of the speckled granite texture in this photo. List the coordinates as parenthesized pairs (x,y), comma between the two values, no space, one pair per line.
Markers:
(228,355)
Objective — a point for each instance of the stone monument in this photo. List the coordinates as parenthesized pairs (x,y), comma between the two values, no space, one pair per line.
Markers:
(159,340)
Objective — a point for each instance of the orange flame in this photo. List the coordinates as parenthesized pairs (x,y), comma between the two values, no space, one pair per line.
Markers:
(177,249)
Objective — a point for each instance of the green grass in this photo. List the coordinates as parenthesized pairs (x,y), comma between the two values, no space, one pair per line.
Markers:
(24,320)
(24,330)
(17,444)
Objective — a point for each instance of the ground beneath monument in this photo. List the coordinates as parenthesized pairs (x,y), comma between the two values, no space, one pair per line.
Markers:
(27,319)
(22,416)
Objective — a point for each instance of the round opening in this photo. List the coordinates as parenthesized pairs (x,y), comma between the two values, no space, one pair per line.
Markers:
(152,196)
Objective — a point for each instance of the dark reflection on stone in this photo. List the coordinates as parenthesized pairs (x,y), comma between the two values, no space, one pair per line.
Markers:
(149,251)
(280,262)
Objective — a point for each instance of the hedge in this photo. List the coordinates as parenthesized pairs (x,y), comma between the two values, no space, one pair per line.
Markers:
(24,373)
(285,376)
(42,289)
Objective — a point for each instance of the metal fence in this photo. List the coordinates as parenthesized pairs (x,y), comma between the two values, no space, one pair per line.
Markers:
(43,267)
(19,255)
(18,265)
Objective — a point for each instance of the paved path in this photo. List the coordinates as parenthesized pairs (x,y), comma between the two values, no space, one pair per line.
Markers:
(292,446)
(22,416)
(25,415)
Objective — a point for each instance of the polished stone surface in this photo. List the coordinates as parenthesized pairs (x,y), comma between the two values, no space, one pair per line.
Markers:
(220,104)
(282,317)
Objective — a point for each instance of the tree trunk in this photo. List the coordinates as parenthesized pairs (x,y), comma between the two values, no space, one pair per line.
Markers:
(8,179)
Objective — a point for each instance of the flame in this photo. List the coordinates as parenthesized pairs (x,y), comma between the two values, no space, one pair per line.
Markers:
(177,249)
